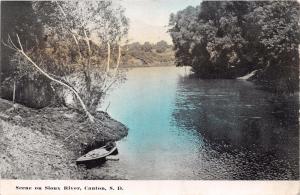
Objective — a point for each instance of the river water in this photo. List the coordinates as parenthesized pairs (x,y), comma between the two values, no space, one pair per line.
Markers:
(186,128)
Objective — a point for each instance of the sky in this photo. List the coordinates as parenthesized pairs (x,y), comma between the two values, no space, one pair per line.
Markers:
(149,18)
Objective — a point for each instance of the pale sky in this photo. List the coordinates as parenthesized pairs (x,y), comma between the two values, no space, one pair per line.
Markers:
(149,18)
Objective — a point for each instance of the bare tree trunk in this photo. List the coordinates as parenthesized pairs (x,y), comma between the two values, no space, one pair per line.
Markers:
(108,56)
(91,118)
(21,51)
(107,107)
(88,80)
(118,61)
(106,87)
(107,66)
(14,94)
(76,41)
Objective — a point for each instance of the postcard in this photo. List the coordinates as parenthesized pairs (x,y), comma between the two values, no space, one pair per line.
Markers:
(149,97)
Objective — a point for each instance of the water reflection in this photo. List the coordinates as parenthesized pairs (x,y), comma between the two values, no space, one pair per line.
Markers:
(185,128)
(252,132)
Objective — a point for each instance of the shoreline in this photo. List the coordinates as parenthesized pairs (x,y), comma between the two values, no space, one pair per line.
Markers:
(44,143)
(166,64)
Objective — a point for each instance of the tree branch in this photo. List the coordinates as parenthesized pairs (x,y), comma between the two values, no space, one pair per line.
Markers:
(21,51)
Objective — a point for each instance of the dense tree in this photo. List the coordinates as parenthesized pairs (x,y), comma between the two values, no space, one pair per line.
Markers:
(17,17)
(227,39)
(78,37)
(184,26)
(275,31)
(147,47)
(161,46)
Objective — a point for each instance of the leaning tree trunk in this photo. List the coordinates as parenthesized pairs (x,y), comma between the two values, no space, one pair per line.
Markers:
(21,51)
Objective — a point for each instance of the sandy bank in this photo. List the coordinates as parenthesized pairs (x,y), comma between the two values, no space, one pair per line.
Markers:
(43,144)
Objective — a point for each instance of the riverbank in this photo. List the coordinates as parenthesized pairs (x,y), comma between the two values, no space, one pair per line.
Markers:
(140,58)
(155,64)
(44,143)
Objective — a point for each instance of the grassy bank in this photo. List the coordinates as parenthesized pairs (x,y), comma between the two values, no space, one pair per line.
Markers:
(44,144)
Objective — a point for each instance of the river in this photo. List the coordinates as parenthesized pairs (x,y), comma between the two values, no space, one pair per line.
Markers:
(181,127)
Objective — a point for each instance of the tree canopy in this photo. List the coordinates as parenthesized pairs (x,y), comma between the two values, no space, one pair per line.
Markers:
(228,39)
(77,39)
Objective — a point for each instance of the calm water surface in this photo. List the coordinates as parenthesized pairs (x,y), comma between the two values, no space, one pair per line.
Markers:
(185,128)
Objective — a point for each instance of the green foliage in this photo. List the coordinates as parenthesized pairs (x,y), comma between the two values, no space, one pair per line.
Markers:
(147,47)
(148,54)
(74,44)
(17,17)
(183,30)
(227,39)
(161,46)
(278,36)
(99,18)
